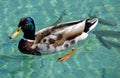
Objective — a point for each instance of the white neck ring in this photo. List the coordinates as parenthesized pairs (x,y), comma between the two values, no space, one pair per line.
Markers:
(28,40)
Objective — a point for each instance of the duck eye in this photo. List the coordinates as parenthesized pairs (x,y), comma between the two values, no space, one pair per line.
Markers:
(27,24)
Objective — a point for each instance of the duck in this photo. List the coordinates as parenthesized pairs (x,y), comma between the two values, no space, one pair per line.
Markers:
(54,38)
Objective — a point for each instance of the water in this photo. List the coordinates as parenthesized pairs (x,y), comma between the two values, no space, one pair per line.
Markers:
(91,60)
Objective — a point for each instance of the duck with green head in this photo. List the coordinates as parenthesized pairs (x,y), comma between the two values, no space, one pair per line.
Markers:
(53,38)
(27,26)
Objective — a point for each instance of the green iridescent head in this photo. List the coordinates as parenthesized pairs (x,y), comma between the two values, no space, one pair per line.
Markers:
(27,26)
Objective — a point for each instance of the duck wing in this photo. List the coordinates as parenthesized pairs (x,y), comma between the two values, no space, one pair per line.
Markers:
(68,30)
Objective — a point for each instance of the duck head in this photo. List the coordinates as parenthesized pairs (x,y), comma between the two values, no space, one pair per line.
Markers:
(27,26)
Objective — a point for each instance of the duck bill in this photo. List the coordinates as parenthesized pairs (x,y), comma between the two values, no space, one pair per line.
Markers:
(16,33)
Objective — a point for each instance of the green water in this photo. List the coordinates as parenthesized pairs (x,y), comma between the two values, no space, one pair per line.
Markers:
(91,60)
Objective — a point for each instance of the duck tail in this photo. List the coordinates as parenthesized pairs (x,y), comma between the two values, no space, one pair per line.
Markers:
(90,24)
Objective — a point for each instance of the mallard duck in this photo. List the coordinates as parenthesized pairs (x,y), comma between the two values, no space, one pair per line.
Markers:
(53,38)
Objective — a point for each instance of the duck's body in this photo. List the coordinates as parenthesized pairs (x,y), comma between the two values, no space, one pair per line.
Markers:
(53,38)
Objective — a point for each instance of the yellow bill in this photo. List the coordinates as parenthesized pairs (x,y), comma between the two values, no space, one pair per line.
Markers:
(16,33)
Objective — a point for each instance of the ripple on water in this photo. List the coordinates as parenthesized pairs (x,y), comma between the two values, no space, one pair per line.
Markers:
(92,73)
(5,73)
(78,73)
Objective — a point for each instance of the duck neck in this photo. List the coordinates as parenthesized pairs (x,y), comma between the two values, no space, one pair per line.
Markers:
(29,36)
